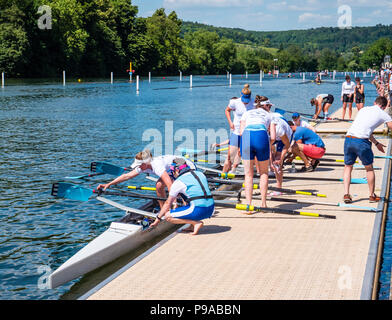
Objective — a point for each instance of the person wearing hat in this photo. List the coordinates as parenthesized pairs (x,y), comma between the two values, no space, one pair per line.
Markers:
(146,163)
(200,203)
(238,106)
(301,123)
(322,103)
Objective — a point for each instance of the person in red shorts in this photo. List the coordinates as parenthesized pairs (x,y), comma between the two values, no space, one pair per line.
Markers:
(310,146)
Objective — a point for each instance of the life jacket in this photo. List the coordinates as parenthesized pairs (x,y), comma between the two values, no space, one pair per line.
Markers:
(197,189)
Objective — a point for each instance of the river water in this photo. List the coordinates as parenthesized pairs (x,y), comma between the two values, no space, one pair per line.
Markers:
(49,131)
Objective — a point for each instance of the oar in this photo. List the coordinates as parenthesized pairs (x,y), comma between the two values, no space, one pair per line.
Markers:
(342,205)
(245,207)
(341,155)
(255,186)
(108,168)
(126,209)
(328,160)
(198,153)
(282,112)
(356,166)
(233,176)
(85,176)
(75,192)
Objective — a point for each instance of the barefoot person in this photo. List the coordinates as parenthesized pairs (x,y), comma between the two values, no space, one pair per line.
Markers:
(238,106)
(281,137)
(194,186)
(359,94)
(322,103)
(348,89)
(255,148)
(358,143)
(146,163)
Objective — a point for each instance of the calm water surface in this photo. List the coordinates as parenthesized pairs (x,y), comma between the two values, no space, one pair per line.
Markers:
(49,132)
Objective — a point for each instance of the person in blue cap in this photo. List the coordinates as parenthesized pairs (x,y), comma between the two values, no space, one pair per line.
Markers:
(301,123)
(238,106)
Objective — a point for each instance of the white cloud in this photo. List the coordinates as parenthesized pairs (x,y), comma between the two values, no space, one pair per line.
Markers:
(313,17)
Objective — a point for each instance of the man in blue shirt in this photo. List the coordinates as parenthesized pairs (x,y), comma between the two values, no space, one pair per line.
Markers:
(308,145)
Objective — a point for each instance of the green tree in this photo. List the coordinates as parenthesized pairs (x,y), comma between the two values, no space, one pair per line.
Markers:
(374,55)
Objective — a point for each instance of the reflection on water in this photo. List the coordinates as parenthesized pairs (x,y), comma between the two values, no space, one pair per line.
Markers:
(49,132)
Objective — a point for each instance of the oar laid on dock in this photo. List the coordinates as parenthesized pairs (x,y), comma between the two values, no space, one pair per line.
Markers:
(342,155)
(233,176)
(245,207)
(90,175)
(341,205)
(255,186)
(198,153)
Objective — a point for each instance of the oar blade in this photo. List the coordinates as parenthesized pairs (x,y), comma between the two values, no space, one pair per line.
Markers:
(345,205)
(108,168)
(71,191)
(359,181)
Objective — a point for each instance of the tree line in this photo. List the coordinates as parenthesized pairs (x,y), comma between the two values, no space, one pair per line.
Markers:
(95,37)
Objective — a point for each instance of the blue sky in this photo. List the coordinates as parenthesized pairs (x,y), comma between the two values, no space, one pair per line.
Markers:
(269,15)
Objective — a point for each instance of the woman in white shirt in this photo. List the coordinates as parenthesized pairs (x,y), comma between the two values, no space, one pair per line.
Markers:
(255,148)
(159,166)
(238,106)
(348,90)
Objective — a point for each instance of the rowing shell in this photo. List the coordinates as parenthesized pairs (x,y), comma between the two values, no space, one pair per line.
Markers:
(120,238)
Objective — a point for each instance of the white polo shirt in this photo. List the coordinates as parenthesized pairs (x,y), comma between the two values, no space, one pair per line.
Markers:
(239,108)
(367,120)
(348,88)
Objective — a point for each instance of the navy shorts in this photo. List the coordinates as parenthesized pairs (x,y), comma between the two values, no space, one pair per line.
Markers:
(279,145)
(255,143)
(354,148)
(346,98)
(235,140)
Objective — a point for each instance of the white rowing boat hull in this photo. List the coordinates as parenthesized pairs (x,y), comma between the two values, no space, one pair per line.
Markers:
(119,239)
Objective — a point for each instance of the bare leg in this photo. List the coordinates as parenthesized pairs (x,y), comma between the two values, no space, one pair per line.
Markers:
(197,225)
(249,172)
(350,110)
(371,178)
(347,178)
(278,174)
(161,192)
(263,168)
(344,109)
(297,149)
(228,163)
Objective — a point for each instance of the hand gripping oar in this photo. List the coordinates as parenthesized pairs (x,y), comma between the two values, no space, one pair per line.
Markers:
(108,168)
(245,207)
(255,186)
(75,192)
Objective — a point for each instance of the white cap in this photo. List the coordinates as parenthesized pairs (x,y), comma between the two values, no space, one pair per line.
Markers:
(138,163)
(263,103)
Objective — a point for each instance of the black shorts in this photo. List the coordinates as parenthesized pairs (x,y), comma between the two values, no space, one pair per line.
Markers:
(359,99)
(330,99)
(347,99)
